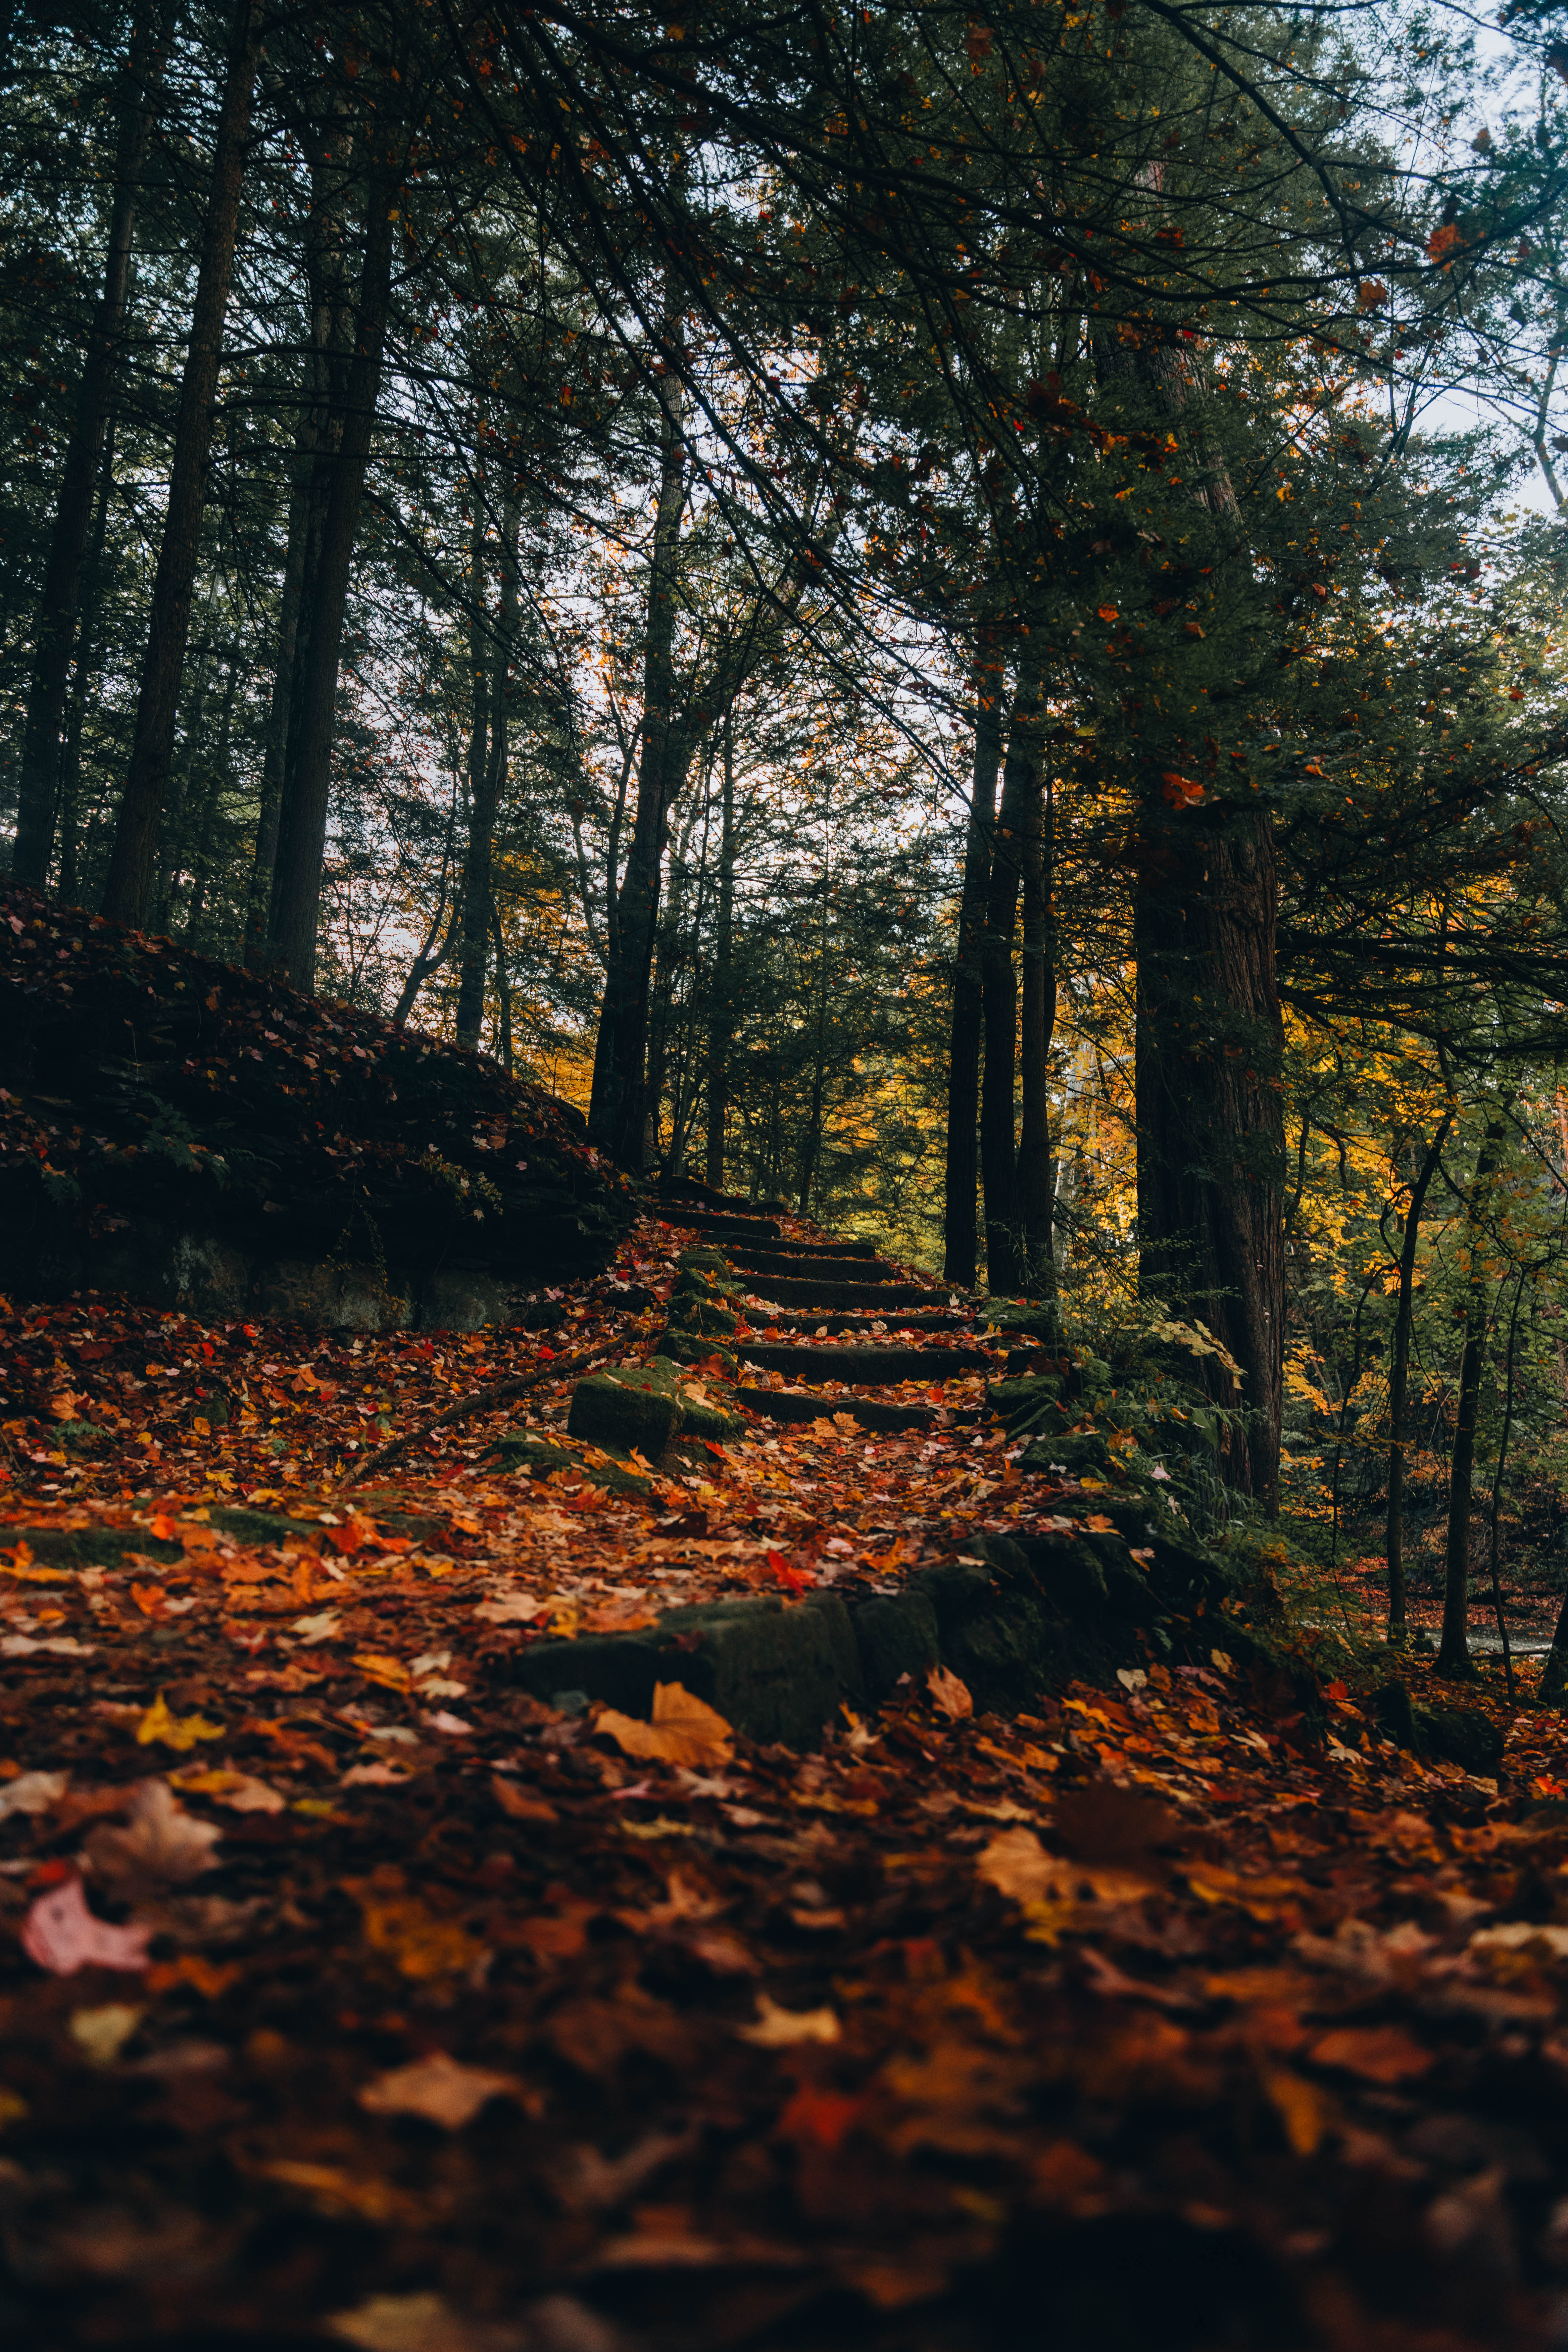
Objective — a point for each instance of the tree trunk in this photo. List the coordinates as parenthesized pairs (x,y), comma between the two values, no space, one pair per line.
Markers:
(1211,1140)
(208,823)
(172,835)
(503,989)
(302,817)
(1454,1650)
(721,1020)
(959,1255)
(136,832)
(1005,1270)
(616,1113)
(56,629)
(81,677)
(492,653)
(319,430)
(1031,1187)
(1398,1384)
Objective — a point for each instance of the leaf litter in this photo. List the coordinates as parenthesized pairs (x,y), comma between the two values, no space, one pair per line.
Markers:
(349,1992)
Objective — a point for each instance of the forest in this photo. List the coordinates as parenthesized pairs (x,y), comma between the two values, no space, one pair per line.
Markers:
(907,658)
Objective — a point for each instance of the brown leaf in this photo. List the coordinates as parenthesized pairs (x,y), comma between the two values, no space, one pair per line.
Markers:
(1105,1824)
(948,1694)
(161,1845)
(1378,2053)
(443,2091)
(518,1803)
(684,1730)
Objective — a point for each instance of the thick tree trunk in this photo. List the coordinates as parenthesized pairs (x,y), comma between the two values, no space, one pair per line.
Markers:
(722,1015)
(1005,1268)
(493,652)
(1211,1138)
(132,862)
(616,1114)
(960,1258)
(1454,1650)
(55,628)
(1398,1385)
(339,473)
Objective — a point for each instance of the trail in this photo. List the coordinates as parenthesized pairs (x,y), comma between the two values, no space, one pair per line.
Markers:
(352,1992)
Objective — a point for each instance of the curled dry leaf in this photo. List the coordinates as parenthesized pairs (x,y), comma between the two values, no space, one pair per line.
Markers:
(684,1730)
(161,1845)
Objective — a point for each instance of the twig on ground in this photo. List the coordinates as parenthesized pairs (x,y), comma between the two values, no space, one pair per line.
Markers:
(478,1401)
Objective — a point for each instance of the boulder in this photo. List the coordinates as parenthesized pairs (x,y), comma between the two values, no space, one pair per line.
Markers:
(205,1139)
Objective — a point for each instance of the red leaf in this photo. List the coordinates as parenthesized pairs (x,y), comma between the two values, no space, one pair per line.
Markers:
(786,1575)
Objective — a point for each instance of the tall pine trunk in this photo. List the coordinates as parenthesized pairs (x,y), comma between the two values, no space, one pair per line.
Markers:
(39,783)
(721,1014)
(1454,1650)
(959,1264)
(1399,1382)
(1005,1267)
(492,651)
(83,669)
(339,473)
(615,1114)
(1032,1182)
(1211,1141)
(131,867)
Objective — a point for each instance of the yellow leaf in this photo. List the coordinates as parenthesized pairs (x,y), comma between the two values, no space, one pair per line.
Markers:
(1305,2109)
(180,1731)
(421,1945)
(391,1673)
(13,2107)
(684,1730)
(780,2028)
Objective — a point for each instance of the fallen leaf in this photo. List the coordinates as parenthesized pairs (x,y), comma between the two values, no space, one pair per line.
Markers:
(32,1792)
(521,1806)
(318,1628)
(949,1695)
(421,1945)
(781,2029)
(180,1732)
(242,1792)
(101,2034)
(684,1730)
(443,2090)
(1018,1866)
(426,2323)
(510,1609)
(334,2191)
(391,1673)
(161,1845)
(62,1935)
(1378,2053)
(1304,2108)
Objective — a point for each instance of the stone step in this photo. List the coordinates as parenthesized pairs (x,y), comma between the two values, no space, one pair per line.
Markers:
(719,1228)
(792,1267)
(858,1322)
(862,1367)
(880,1296)
(800,1404)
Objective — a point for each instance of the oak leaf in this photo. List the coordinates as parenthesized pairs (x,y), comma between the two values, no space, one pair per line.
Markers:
(684,1730)
(161,1845)
(949,1693)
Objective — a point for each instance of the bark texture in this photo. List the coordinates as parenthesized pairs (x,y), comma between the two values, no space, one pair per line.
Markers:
(39,783)
(1211,1141)
(132,862)
(1399,1383)
(1007,1267)
(337,486)
(959,1255)
(1454,1650)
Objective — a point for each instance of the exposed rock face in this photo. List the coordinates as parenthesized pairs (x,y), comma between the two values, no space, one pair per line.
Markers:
(201,1137)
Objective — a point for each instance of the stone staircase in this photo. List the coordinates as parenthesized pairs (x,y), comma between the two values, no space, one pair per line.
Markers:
(745,1284)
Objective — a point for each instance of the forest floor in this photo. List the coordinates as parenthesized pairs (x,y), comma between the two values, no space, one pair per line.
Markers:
(348,1995)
